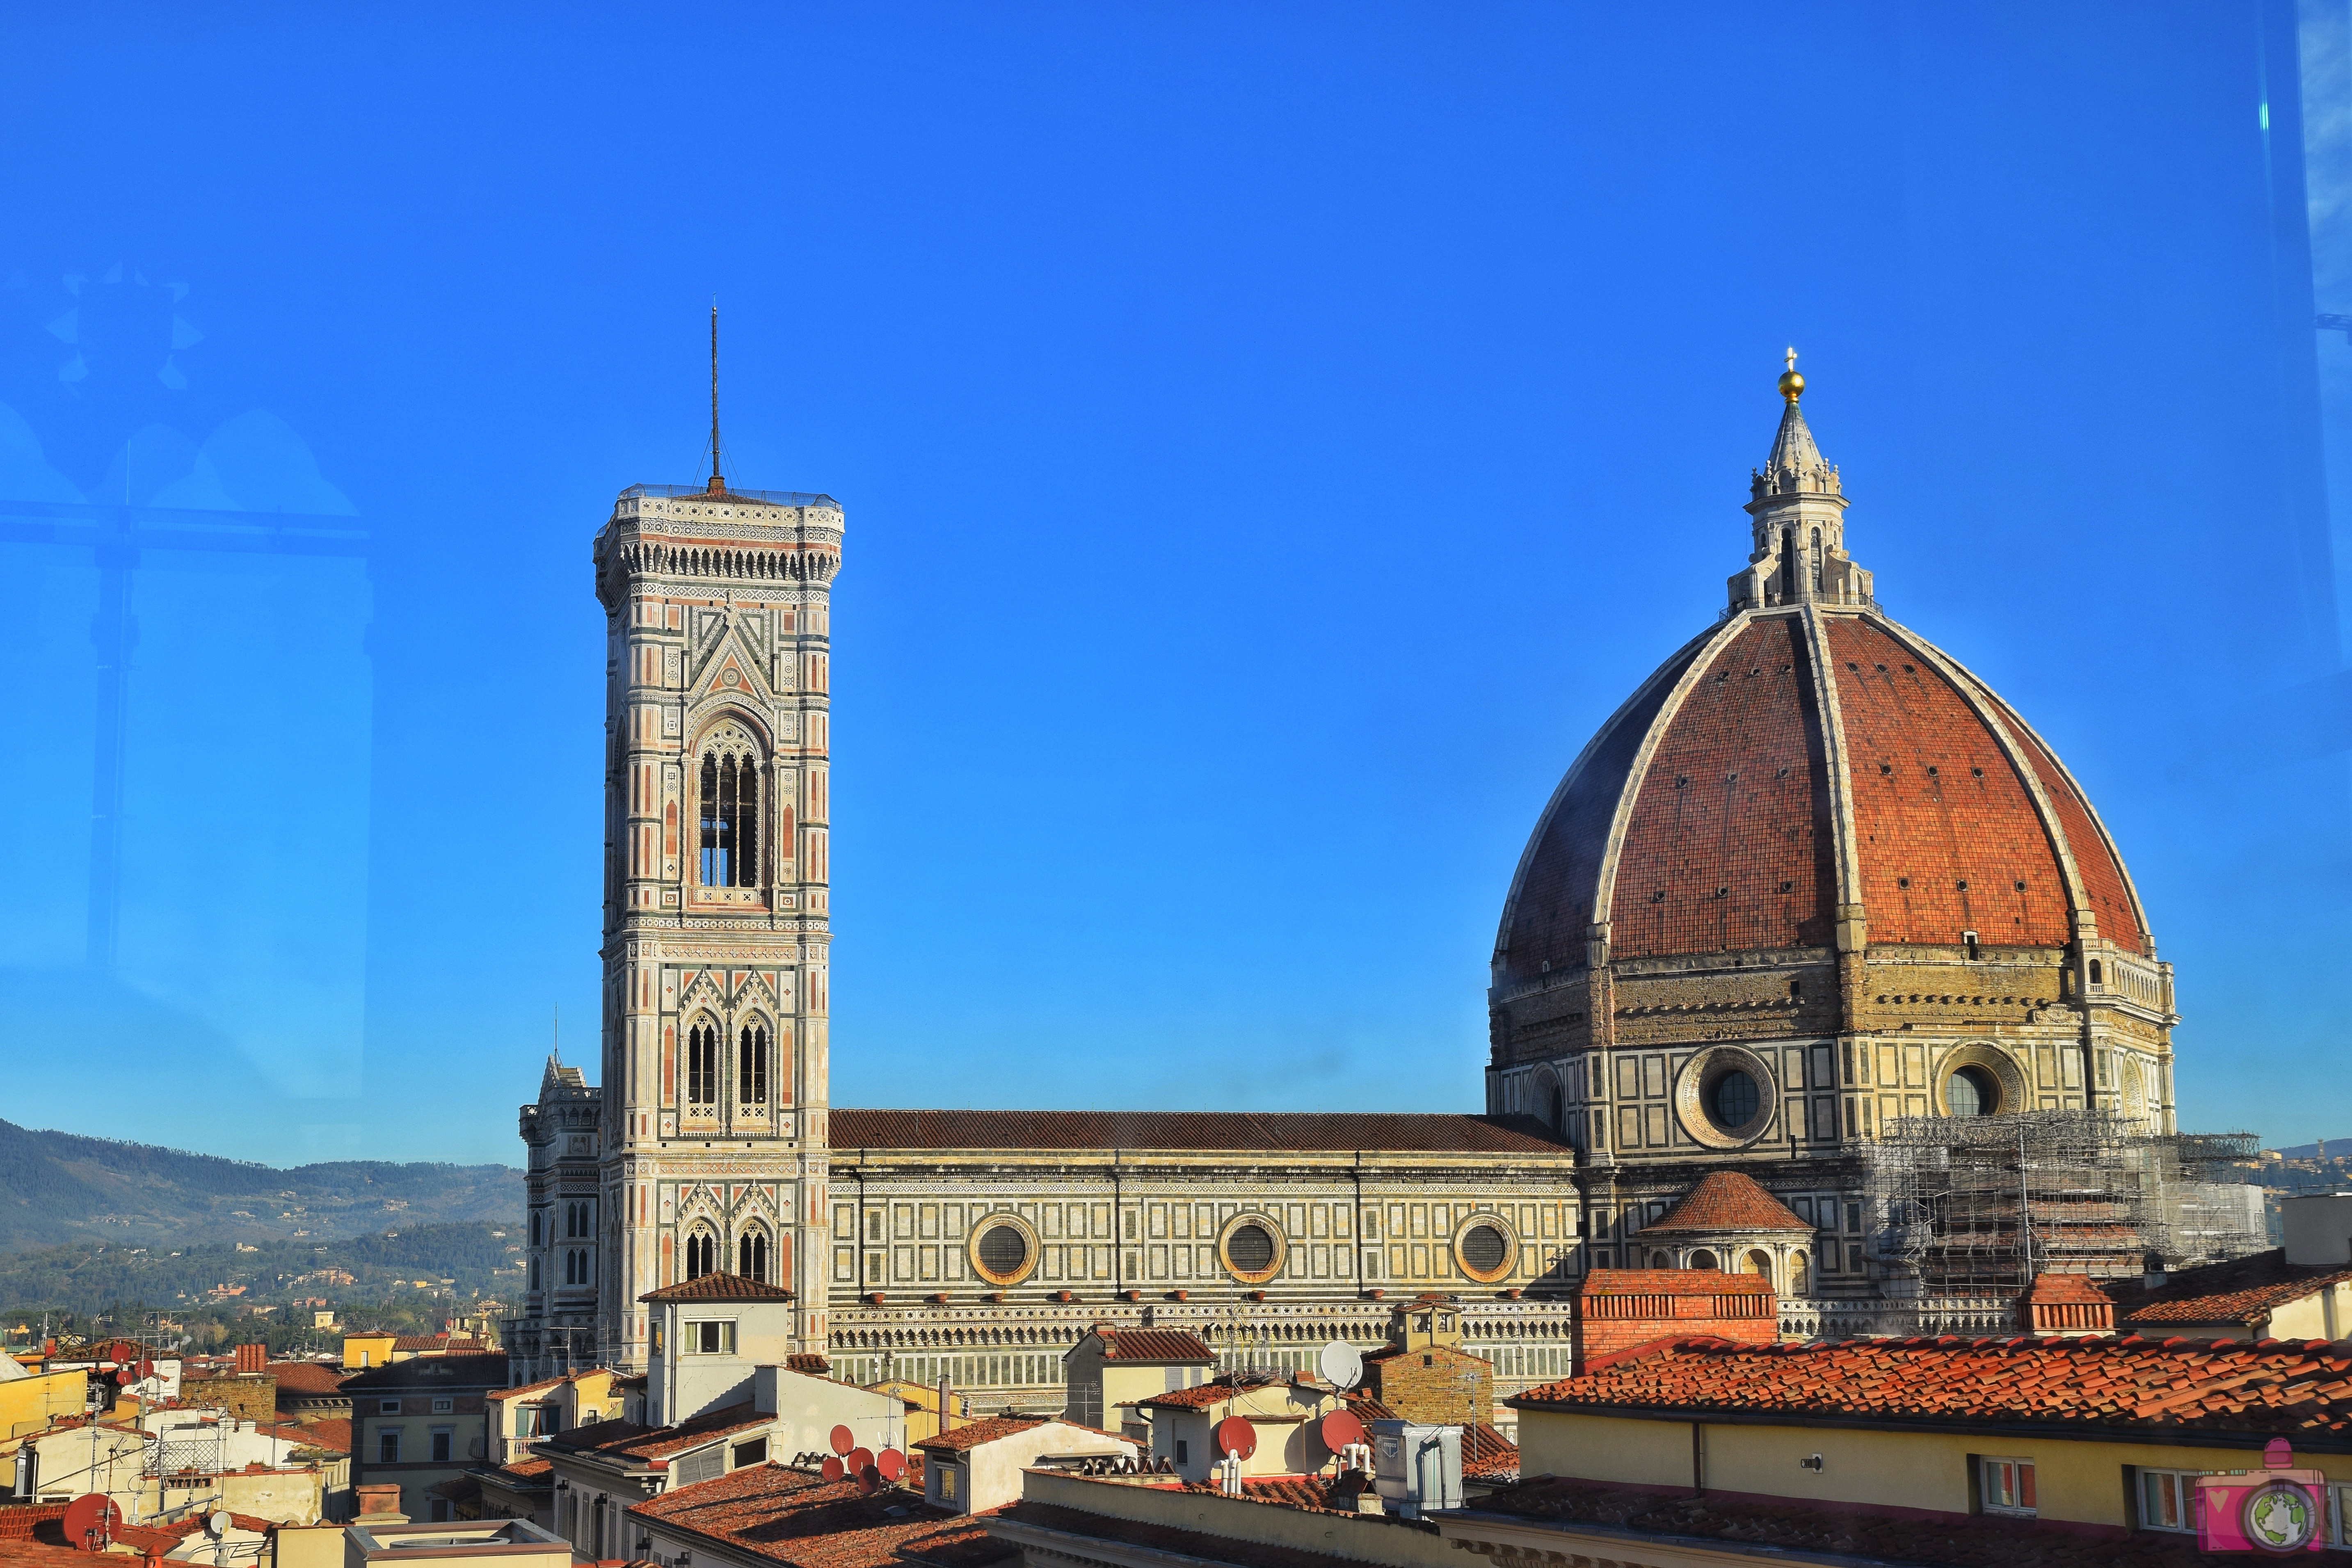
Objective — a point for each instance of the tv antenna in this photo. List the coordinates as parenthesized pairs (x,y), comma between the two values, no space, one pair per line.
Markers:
(717,485)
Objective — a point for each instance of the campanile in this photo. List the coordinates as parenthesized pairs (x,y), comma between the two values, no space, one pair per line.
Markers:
(717,605)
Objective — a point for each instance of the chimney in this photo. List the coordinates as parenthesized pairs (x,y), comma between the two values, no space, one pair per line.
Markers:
(2066,1304)
(252,1359)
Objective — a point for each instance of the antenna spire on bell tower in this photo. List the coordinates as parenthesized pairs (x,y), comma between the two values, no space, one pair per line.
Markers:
(717,485)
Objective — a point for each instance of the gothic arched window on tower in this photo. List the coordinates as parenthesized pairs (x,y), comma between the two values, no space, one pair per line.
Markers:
(752,1256)
(731,820)
(702,1065)
(751,1066)
(701,1255)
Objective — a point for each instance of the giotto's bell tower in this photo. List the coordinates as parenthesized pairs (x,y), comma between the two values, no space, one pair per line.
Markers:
(717,616)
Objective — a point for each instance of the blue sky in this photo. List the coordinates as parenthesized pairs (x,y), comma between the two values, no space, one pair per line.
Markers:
(1272,439)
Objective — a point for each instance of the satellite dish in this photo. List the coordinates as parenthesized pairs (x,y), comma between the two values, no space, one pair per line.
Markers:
(858,1459)
(1342,1364)
(891,1463)
(869,1480)
(91,1518)
(1342,1428)
(843,1439)
(1236,1437)
(832,1470)
(216,1524)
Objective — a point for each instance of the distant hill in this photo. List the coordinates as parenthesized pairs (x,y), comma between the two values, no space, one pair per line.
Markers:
(58,1188)
(420,1266)
(2338,1148)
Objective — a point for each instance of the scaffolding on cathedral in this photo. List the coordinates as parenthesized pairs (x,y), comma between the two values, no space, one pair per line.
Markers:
(1976,1206)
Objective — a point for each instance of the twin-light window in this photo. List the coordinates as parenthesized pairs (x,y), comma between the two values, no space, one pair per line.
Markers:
(710,1339)
(2006,1486)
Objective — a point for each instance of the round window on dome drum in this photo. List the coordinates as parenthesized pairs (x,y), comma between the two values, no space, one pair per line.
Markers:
(1484,1250)
(1249,1250)
(1733,1102)
(1971,1091)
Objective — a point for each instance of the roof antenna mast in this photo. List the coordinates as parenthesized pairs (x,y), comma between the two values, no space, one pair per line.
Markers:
(717,485)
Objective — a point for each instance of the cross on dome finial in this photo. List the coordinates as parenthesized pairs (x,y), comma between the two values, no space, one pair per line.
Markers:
(1792,386)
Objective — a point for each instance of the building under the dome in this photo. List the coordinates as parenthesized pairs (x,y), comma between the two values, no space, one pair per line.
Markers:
(1814,876)
(1812,886)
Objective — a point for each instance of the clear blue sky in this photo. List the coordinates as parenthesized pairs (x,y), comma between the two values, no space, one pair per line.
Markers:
(1272,439)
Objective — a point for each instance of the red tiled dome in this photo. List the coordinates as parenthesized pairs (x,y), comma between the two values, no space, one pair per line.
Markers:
(1709,812)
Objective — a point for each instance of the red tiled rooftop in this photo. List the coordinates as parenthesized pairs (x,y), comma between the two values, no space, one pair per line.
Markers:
(2244,1291)
(1727,1200)
(334,1437)
(1293,1132)
(1151,1344)
(526,1389)
(523,1471)
(1200,1396)
(2291,1389)
(2069,1288)
(718,1287)
(956,1439)
(630,1440)
(790,1516)
(307,1377)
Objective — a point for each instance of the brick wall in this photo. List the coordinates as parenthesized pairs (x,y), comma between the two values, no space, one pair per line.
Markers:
(1656,1304)
(1437,1384)
(248,1396)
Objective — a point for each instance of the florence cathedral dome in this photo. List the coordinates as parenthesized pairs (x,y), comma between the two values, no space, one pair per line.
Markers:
(1812,827)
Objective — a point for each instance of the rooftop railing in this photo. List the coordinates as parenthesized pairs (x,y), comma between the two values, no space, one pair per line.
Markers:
(769,498)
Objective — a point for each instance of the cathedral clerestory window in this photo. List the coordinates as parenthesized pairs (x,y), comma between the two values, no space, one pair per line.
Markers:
(752,1256)
(731,820)
(701,1255)
(751,1066)
(702,1065)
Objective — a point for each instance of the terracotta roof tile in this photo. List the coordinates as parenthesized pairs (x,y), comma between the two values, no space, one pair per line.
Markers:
(523,1472)
(1330,1132)
(2289,1390)
(956,1439)
(307,1377)
(2069,1288)
(442,1374)
(1151,1344)
(1843,1531)
(1727,1200)
(1201,1396)
(718,1287)
(629,1440)
(334,1437)
(526,1389)
(790,1516)
(2244,1291)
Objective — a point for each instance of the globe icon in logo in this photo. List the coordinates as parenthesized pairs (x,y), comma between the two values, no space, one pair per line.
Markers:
(2279,1517)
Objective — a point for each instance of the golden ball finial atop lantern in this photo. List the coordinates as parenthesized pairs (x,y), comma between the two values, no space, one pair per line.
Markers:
(1792,386)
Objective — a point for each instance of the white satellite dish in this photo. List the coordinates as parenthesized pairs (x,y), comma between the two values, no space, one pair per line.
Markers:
(216,1524)
(1342,1364)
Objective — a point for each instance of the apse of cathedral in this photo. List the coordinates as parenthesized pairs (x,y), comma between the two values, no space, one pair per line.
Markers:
(1812,876)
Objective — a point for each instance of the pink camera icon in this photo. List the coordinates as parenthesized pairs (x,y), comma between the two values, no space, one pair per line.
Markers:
(2278,1510)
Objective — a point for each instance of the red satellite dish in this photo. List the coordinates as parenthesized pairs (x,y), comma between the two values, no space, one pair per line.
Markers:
(122,1350)
(146,1369)
(124,1374)
(1236,1437)
(92,1520)
(891,1463)
(859,1460)
(843,1439)
(1340,1428)
(869,1480)
(832,1470)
